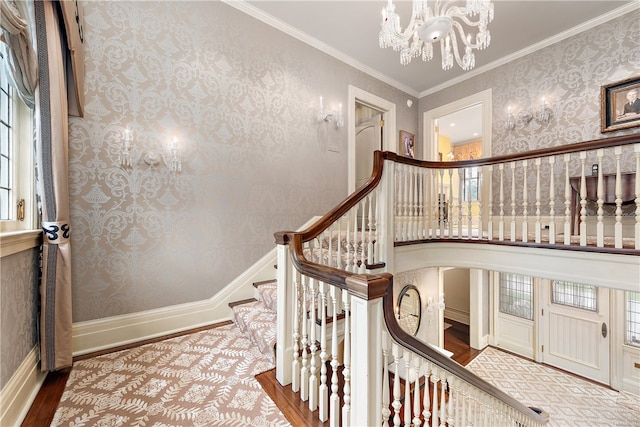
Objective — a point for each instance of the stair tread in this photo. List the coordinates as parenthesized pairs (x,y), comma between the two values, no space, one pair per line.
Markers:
(244,301)
(268,293)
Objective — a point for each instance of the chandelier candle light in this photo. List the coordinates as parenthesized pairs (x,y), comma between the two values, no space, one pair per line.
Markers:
(445,23)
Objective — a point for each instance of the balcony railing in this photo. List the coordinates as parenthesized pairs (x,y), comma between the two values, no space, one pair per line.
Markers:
(339,344)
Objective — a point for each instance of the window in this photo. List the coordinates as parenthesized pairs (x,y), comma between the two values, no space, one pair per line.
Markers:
(574,295)
(632,310)
(516,295)
(16,159)
(470,184)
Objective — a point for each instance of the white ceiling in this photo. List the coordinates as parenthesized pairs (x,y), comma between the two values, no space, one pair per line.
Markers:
(349,31)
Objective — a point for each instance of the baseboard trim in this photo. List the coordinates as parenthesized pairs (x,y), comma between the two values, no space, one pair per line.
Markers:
(457,315)
(20,391)
(101,334)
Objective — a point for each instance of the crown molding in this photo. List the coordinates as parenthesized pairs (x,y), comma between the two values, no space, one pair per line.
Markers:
(587,25)
(258,14)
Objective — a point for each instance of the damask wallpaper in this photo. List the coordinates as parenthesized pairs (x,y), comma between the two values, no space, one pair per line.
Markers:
(240,99)
(568,74)
(18,310)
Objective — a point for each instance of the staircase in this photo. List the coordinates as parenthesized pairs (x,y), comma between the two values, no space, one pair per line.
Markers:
(257,318)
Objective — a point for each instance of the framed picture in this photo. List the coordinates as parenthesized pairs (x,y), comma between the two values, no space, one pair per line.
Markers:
(407,144)
(620,105)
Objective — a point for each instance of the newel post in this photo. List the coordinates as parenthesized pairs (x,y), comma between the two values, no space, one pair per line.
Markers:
(366,292)
(285,305)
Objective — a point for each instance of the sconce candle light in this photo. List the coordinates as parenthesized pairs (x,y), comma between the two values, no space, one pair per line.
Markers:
(327,115)
(127,159)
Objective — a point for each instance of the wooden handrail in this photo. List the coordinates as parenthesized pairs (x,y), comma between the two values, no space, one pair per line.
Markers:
(542,152)
(336,213)
(450,365)
(369,286)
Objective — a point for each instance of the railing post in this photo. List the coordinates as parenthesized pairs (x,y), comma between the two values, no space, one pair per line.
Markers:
(366,348)
(387,219)
(286,304)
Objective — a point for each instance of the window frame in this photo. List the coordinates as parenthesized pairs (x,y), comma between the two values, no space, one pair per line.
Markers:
(17,235)
(505,278)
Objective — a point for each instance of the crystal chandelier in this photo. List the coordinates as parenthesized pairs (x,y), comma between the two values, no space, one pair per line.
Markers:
(444,22)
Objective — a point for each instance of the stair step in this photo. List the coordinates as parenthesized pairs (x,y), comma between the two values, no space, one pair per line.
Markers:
(244,301)
(264,282)
(258,323)
(268,294)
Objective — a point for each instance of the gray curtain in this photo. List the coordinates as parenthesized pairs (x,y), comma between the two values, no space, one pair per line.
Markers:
(20,58)
(53,190)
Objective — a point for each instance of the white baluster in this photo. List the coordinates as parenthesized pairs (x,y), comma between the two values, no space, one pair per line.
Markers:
(328,235)
(323,391)
(513,201)
(426,401)
(363,235)
(470,204)
(636,151)
(460,199)
(334,400)
(295,364)
(464,389)
(435,415)
(416,393)
(386,412)
(552,200)
(490,205)
(407,389)
(599,195)
(450,205)
(567,201)
(452,405)
(397,405)
(413,203)
(618,227)
(538,225)
(313,347)
(501,218)
(421,207)
(354,246)
(405,228)
(443,405)
(304,372)
(346,373)
(433,202)
(525,203)
(583,201)
(398,201)
(441,207)
(480,202)
(339,242)
(370,228)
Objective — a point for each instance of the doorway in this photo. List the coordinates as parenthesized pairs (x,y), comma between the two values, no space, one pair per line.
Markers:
(387,111)
(575,329)
(369,137)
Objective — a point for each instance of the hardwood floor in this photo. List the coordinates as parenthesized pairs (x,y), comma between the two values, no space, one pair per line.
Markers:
(456,340)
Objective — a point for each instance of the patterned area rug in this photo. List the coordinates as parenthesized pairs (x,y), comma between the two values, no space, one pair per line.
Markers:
(569,401)
(201,379)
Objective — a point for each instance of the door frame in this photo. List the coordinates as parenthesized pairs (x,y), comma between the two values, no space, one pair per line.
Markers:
(388,111)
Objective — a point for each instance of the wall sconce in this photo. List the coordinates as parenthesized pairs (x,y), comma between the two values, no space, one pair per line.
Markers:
(433,306)
(127,158)
(327,115)
(510,124)
(544,113)
(522,119)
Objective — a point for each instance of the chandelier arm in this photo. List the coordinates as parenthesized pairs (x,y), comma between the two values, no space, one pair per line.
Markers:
(463,37)
(454,44)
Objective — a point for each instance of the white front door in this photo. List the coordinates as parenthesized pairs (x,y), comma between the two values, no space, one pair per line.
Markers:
(575,330)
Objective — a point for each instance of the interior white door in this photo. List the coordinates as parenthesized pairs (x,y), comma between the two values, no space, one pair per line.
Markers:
(576,339)
(368,139)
